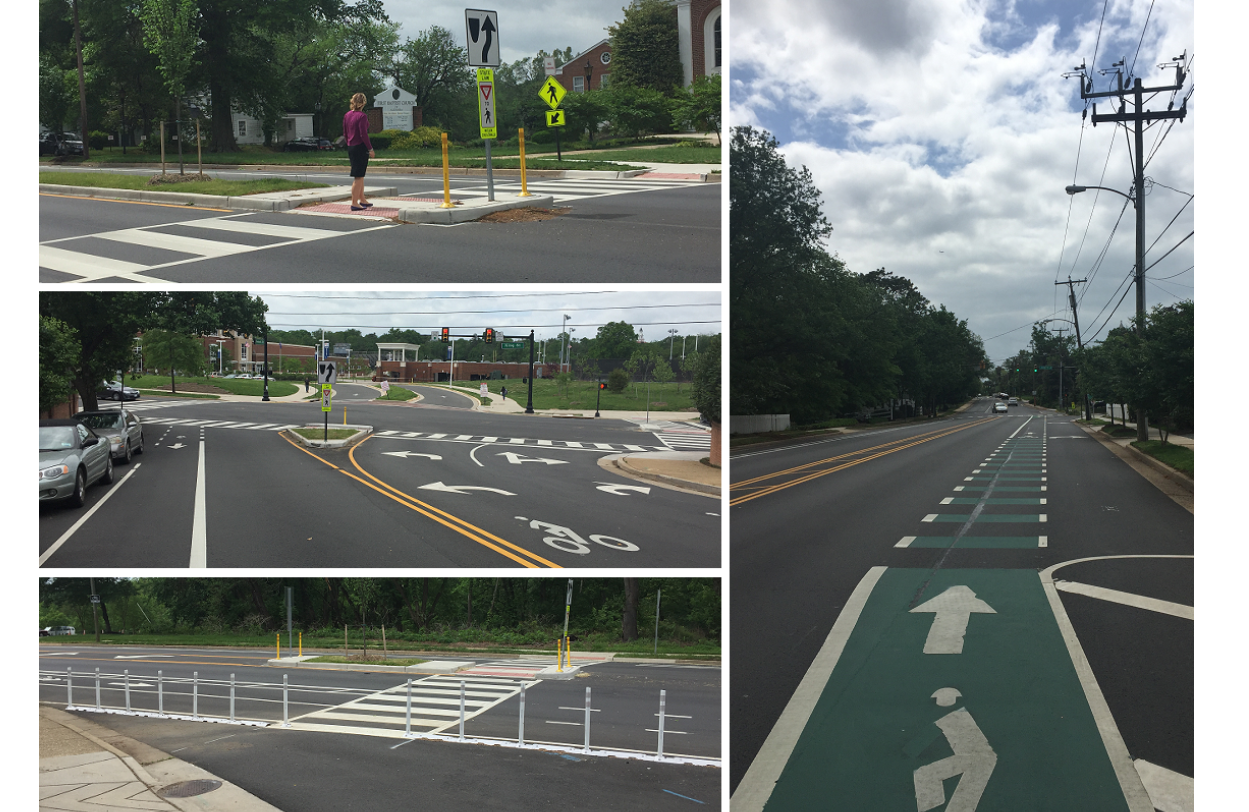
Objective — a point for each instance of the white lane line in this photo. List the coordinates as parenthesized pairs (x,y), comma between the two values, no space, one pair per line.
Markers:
(74,528)
(1126,598)
(1129,781)
(1169,791)
(199,530)
(756,786)
(1043,541)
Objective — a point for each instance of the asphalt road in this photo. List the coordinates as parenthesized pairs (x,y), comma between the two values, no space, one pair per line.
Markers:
(888,527)
(436,485)
(617,230)
(309,765)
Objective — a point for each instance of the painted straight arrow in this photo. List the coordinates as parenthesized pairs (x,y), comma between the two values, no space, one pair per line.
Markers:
(953,609)
(139,656)
(460,489)
(410,454)
(517,459)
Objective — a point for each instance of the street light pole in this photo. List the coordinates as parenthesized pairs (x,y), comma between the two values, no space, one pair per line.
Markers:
(672,334)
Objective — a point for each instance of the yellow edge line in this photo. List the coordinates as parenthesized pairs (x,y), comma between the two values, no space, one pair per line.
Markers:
(134,202)
(352,456)
(425,513)
(809,477)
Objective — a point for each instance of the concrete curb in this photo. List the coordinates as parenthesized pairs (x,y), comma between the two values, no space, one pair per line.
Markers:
(617,463)
(361,432)
(433,667)
(431,214)
(266,201)
(381,167)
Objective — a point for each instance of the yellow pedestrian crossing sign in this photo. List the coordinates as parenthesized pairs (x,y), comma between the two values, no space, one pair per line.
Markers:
(555,118)
(552,92)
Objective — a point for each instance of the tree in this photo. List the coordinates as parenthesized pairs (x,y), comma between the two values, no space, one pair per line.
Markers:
(707,383)
(57,93)
(615,339)
(663,372)
(106,324)
(585,111)
(177,351)
(698,108)
(646,47)
(58,357)
(170,32)
(638,111)
(430,63)
(629,617)
(617,380)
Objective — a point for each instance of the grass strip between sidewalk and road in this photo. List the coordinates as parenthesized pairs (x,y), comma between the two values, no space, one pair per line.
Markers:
(1177,456)
(230,188)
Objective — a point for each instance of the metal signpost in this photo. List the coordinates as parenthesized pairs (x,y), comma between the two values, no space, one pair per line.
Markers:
(483,53)
(487,120)
(552,92)
(327,375)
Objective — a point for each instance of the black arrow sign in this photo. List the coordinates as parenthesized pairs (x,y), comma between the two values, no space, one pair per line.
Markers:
(488,27)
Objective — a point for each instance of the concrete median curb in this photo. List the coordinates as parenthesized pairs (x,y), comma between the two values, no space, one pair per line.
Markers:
(361,433)
(618,463)
(431,214)
(431,667)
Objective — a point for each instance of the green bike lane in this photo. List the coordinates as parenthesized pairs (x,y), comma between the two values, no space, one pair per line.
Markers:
(957,688)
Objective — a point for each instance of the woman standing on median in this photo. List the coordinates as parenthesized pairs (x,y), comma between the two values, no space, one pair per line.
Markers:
(359,149)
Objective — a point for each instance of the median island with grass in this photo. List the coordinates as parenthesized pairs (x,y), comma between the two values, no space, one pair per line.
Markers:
(173,182)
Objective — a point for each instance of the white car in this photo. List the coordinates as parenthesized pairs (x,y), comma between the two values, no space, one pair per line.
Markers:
(999,407)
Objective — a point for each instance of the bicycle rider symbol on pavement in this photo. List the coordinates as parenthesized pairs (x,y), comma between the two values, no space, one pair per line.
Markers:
(973,759)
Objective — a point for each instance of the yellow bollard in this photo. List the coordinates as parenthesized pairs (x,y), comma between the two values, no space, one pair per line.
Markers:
(279,656)
(568,650)
(301,644)
(446,176)
(559,655)
(524,186)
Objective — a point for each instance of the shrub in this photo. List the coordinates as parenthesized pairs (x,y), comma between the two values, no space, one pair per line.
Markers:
(540,137)
(420,138)
(380,142)
(617,380)
(97,139)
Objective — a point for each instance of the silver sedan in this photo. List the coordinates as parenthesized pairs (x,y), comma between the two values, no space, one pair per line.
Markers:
(120,427)
(71,457)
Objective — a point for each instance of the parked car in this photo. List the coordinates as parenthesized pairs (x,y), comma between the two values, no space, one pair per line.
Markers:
(113,390)
(307,145)
(60,144)
(999,406)
(54,630)
(121,428)
(71,457)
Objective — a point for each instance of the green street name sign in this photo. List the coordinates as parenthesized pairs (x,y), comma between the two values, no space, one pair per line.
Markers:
(512,345)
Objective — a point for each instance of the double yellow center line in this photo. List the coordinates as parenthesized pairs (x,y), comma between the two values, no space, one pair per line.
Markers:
(470,531)
(754,488)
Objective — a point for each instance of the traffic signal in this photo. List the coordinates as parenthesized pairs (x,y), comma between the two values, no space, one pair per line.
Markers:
(602,385)
(489,335)
(446,335)
(1034,369)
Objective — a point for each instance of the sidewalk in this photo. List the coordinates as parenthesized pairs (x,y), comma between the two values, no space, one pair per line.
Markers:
(84,765)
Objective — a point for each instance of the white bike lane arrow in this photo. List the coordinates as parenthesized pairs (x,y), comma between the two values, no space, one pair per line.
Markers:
(953,610)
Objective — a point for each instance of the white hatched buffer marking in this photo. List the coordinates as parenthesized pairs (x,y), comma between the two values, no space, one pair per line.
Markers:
(688,440)
(495,440)
(435,707)
(212,240)
(568,189)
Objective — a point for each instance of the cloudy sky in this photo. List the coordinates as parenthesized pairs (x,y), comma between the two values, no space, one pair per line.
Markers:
(941,134)
(513,313)
(524,28)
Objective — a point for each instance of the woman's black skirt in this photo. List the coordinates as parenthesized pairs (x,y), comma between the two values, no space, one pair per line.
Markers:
(359,156)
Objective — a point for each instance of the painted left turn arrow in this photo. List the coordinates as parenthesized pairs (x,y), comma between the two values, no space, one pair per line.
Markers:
(461,489)
(410,454)
(517,459)
(952,609)
(619,489)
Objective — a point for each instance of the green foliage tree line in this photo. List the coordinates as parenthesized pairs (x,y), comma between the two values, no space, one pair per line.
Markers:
(810,337)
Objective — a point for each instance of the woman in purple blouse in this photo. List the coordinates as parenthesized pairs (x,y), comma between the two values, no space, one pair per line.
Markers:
(359,149)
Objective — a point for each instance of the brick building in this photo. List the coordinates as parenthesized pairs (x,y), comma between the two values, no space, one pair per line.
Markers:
(698,22)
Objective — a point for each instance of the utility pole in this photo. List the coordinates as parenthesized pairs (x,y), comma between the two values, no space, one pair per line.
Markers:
(1139,117)
(1075,319)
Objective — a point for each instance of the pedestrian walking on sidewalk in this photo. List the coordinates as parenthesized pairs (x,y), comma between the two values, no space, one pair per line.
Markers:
(305,384)
(359,149)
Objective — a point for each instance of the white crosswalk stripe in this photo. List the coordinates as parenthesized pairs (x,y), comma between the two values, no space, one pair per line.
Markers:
(209,238)
(565,190)
(435,706)
(144,406)
(218,424)
(685,440)
(493,440)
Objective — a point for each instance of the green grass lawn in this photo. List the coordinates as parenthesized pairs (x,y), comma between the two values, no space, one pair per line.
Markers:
(398,393)
(233,188)
(547,394)
(668,155)
(1177,456)
(236,386)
